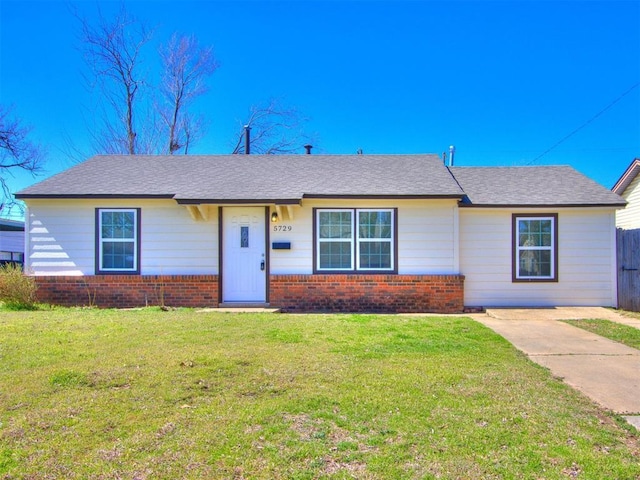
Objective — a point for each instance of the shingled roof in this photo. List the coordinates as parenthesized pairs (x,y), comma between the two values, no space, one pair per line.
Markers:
(287,179)
(540,186)
(250,178)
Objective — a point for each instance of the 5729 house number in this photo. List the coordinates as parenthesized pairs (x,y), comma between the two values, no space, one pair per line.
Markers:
(282,228)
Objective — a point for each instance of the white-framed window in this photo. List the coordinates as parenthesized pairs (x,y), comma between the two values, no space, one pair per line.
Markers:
(335,240)
(15,257)
(535,247)
(118,243)
(350,240)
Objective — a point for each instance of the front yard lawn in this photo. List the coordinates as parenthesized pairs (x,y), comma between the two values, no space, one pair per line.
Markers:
(617,332)
(165,395)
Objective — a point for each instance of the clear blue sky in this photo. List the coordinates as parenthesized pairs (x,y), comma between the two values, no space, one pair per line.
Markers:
(502,81)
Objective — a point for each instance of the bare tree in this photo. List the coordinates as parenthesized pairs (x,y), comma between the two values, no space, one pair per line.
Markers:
(112,49)
(275,129)
(186,67)
(17,152)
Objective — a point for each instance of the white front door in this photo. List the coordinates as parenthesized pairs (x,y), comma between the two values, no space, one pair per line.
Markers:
(244,267)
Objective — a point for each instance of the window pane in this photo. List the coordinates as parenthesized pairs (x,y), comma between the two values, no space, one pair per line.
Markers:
(117,255)
(107,225)
(535,263)
(128,255)
(375,224)
(118,224)
(335,255)
(127,231)
(244,237)
(107,254)
(375,255)
(107,218)
(335,224)
(534,233)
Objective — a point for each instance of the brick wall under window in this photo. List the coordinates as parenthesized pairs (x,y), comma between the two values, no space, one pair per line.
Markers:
(368,293)
(125,291)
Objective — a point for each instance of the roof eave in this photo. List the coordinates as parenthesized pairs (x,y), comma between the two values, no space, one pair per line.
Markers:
(627,177)
(543,205)
(89,196)
(238,201)
(386,197)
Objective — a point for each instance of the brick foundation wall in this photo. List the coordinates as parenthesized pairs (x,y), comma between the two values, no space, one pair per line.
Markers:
(291,293)
(368,293)
(124,291)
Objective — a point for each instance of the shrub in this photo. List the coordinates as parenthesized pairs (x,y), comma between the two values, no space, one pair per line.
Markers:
(17,290)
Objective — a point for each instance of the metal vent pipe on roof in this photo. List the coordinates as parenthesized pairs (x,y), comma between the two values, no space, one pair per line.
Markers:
(247,139)
(452,151)
(308,149)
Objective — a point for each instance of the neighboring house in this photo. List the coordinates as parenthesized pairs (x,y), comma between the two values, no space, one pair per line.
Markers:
(398,233)
(628,187)
(11,241)
(628,237)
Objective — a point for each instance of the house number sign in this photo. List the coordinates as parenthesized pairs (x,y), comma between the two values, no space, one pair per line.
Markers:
(282,228)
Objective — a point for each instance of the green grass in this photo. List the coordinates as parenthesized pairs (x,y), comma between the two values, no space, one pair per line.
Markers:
(181,394)
(618,332)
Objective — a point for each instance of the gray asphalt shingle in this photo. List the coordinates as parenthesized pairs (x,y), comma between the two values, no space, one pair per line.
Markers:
(530,187)
(251,177)
(289,178)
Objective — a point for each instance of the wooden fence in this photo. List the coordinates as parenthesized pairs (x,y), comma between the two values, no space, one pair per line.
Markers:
(629,269)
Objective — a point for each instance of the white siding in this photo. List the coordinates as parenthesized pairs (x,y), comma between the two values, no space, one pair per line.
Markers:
(296,231)
(586,260)
(629,217)
(62,237)
(434,237)
(11,241)
(427,243)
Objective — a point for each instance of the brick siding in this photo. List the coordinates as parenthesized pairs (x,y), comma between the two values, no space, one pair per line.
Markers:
(291,293)
(368,293)
(124,291)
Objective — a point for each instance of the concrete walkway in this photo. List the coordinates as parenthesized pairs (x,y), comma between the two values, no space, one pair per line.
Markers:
(605,371)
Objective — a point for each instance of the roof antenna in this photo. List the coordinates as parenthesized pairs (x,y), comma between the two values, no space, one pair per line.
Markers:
(452,151)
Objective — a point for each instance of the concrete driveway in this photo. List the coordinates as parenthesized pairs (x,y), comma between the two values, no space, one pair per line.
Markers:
(605,371)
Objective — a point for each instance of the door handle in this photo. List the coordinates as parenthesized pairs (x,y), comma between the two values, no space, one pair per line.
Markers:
(262,265)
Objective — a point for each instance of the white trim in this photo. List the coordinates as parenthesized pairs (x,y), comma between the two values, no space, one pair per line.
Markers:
(26,260)
(456,238)
(351,240)
(355,241)
(359,240)
(133,240)
(550,249)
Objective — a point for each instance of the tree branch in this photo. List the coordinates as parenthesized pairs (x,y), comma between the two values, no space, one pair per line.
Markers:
(17,152)
(275,129)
